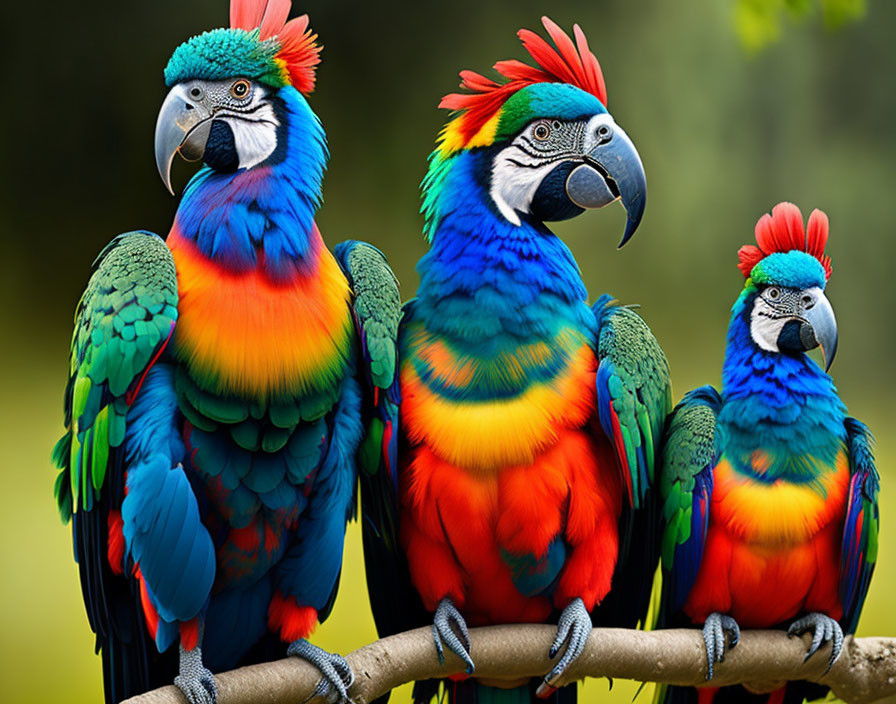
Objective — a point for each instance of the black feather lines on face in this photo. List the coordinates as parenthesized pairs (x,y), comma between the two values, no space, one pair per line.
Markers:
(220,149)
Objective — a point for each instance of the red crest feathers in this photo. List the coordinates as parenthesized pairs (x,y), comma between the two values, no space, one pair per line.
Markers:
(782,231)
(298,48)
(564,63)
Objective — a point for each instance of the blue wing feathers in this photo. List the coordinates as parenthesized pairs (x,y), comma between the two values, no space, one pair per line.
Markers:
(689,555)
(310,569)
(161,523)
(689,456)
(860,534)
(633,392)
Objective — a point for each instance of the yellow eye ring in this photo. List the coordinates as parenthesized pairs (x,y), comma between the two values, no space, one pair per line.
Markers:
(541,131)
(240,89)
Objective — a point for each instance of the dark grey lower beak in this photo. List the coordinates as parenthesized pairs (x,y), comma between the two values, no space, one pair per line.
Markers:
(612,170)
(183,127)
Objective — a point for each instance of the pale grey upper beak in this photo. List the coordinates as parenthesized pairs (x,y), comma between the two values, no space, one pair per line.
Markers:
(183,127)
(824,325)
(612,170)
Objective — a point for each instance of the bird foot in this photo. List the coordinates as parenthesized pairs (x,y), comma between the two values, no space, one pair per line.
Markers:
(824,629)
(194,680)
(715,629)
(337,674)
(446,621)
(572,629)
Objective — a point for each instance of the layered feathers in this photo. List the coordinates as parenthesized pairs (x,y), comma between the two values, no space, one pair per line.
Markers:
(565,62)
(769,489)
(220,386)
(782,231)
(529,421)
(260,44)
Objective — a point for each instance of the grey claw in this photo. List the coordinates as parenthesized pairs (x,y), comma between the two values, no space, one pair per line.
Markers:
(716,628)
(194,680)
(444,623)
(337,674)
(573,629)
(824,629)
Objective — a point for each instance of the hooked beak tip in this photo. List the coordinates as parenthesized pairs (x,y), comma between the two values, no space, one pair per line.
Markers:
(620,162)
(631,225)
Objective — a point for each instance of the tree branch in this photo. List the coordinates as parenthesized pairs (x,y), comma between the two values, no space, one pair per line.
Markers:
(865,672)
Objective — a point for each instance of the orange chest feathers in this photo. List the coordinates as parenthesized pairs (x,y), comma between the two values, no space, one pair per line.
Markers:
(243,334)
(780,513)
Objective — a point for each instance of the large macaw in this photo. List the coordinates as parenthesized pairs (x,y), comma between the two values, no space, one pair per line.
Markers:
(529,421)
(220,381)
(769,489)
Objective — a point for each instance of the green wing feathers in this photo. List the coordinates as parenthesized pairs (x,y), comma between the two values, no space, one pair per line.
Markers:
(685,487)
(377,307)
(634,392)
(122,322)
(689,449)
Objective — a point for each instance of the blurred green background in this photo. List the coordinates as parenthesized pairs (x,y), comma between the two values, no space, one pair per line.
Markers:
(734,105)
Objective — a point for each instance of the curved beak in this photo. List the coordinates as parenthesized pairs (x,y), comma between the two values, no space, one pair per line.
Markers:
(820,328)
(612,171)
(183,127)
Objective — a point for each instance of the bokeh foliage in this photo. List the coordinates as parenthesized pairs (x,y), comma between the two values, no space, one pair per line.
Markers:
(760,22)
(725,132)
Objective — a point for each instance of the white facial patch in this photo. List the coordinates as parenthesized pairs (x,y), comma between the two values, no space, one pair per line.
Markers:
(519,168)
(254,134)
(765,325)
(514,186)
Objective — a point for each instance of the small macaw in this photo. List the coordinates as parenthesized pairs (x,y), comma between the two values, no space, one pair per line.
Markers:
(529,421)
(769,489)
(220,382)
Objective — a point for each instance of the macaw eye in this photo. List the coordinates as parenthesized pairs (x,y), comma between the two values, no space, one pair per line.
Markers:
(240,89)
(541,131)
(196,93)
(773,292)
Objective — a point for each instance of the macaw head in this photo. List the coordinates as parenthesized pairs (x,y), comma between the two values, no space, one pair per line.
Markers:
(226,103)
(786,272)
(550,148)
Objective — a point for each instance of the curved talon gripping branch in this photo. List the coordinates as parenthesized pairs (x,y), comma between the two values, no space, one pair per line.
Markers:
(864,672)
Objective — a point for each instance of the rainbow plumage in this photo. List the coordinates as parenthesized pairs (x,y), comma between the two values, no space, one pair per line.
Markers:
(769,488)
(528,419)
(219,380)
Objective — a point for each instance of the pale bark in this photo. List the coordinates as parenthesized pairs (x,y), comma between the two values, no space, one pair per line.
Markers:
(865,672)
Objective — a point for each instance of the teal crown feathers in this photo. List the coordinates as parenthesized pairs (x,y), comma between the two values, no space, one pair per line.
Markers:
(785,252)
(260,45)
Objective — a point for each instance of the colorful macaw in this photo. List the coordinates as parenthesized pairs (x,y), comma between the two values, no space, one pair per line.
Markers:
(529,421)
(769,489)
(220,380)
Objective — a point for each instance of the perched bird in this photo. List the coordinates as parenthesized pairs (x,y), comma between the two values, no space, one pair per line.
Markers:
(529,421)
(220,380)
(769,489)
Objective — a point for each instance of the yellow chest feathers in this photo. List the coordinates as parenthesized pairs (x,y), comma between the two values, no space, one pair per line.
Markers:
(246,335)
(780,512)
